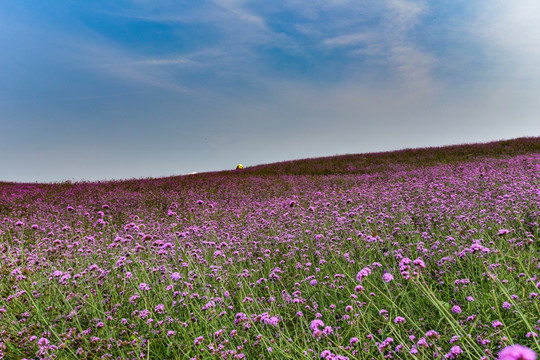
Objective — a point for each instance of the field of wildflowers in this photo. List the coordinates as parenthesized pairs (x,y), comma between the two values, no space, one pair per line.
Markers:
(405,259)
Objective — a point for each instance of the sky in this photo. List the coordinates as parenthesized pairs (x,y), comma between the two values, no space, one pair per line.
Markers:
(120,89)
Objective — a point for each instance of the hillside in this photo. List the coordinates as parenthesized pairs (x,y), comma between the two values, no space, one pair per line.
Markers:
(410,158)
(414,254)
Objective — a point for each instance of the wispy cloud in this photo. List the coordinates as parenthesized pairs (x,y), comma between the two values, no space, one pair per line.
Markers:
(347,40)
(413,64)
(405,13)
(237,7)
(510,32)
(166,62)
(390,44)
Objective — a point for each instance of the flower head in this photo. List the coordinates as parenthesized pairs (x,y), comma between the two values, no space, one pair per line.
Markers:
(315,324)
(175,276)
(363,273)
(517,352)
(496,324)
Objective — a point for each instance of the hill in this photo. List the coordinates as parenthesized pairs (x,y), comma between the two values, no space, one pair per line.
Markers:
(412,254)
(411,158)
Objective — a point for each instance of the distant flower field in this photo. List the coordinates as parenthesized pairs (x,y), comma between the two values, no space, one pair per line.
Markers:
(406,262)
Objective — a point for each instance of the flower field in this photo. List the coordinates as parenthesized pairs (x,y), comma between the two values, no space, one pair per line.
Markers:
(403,259)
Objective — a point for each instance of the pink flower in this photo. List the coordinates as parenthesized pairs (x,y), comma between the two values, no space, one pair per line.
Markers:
(328,330)
(315,324)
(198,340)
(363,273)
(43,342)
(175,276)
(144,287)
(420,263)
(517,352)
(496,324)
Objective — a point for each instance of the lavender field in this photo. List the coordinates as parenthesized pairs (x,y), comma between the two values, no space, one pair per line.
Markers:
(397,255)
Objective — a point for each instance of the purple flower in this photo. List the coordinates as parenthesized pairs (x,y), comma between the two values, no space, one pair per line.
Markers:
(385,343)
(273,320)
(420,263)
(353,340)
(454,352)
(517,352)
(175,276)
(144,287)
(496,324)
(315,324)
(387,277)
(363,273)
(328,330)
(239,318)
(326,354)
(198,340)
(43,342)
(456,309)
(399,320)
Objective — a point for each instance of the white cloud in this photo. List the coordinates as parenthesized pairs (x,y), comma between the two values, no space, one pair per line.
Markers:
(388,43)
(413,64)
(405,13)
(238,9)
(346,40)
(164,61)
(511,33)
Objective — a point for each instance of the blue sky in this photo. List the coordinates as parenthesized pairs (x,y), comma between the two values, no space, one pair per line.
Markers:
(93,90)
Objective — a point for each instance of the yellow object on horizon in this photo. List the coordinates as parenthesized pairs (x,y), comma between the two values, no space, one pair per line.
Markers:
(239,166)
